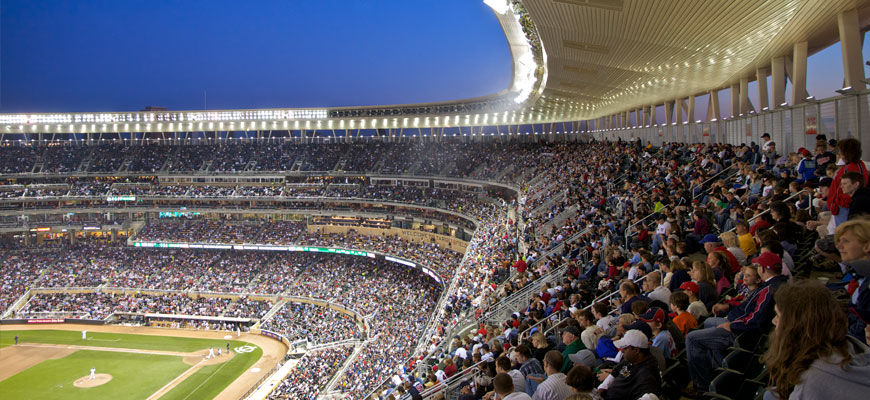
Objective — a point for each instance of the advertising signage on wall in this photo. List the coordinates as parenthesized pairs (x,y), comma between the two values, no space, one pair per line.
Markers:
(254,247)
(312,249)
(120,198)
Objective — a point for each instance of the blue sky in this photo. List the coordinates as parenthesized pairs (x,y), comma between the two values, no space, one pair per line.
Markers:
(102,55)
(88,55)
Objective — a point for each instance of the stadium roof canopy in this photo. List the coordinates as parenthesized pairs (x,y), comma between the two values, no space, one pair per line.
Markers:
(607,56)
(573,60)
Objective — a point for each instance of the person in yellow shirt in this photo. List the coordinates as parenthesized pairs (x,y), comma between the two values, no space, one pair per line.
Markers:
(747,242)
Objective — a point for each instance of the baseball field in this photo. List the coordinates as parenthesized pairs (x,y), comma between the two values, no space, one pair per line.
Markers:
(130,363)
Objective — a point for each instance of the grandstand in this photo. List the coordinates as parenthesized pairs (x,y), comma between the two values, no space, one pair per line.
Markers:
(582,217)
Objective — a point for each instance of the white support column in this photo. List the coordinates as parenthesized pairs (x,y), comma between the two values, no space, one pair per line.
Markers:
(669,113)
(745,104)
(678,111)
(652,115)
(713,106)
(777,74)
(850,45)
(690,110)
(799,74)
(684,108)
(735,100)
(761,80)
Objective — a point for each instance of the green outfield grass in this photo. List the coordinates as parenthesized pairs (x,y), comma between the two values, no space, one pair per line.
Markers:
(135,376)
(212,379)
(120,340)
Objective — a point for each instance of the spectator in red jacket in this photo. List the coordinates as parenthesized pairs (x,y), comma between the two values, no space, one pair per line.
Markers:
(838,202)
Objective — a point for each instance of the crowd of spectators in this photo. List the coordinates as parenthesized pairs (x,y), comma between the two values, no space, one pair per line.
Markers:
(99,305)
(313,324)
(652,225)
(295,233)
(449,157)
(466,202)
(701,288)
(311,374)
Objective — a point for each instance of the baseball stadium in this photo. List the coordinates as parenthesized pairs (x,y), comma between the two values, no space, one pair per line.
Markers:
(583,233)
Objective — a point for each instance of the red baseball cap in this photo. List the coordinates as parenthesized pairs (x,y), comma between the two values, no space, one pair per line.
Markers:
(769,261)
(654,314)
(691,286)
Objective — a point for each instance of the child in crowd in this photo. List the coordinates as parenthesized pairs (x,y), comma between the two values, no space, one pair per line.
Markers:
(684,320)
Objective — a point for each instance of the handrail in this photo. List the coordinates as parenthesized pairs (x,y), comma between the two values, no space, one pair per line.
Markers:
(522,293)
(611,294)
(439,310)
(703,184)
(757,216)
(628,229)
(452,381)
(339,373)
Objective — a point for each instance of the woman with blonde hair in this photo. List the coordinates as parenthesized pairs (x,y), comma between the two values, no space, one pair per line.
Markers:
(540,346)
(729,240)
(810,354)
(853,242)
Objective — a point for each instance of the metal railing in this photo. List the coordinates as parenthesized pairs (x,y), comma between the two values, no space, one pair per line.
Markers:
(712,178)
(541,324)
(336,377)
(792,197)
(451,384)
(628,233)
(499,311)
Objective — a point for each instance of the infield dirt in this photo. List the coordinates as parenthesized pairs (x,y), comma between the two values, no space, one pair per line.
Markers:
(14,359)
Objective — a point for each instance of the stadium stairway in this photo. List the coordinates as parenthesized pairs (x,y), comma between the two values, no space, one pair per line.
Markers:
(16,305)
(329,390)
(272,311)
(558,220)
(547,204)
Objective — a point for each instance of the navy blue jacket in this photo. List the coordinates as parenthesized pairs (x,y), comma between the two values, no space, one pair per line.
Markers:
(756,311)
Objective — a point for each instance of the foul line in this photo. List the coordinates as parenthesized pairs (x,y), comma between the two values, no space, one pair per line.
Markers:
(206,379)
(171,383)
(112,349)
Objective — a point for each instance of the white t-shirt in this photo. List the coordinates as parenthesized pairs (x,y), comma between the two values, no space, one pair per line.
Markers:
(663,227)
(462,353)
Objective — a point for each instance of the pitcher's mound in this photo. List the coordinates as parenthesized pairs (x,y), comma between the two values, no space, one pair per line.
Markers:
(86,381)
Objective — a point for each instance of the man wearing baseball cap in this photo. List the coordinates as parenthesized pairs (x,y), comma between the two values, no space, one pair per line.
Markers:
(806,168)
(637,374)
(704,347)
(573,344)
